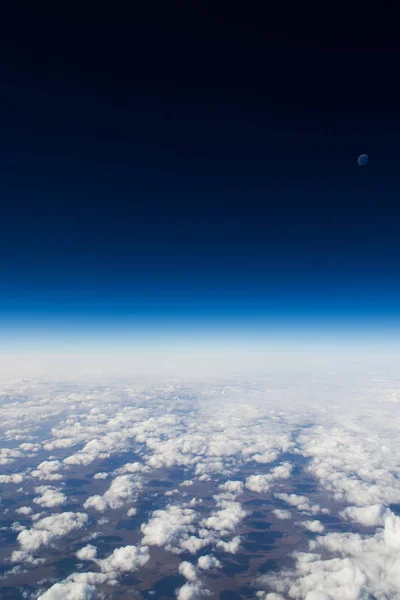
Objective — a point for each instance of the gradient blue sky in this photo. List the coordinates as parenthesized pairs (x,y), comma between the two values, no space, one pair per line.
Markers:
(155,185)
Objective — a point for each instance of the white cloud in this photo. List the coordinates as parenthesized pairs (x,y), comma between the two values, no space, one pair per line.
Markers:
(69,591)
(257,483)
(192,591)
(44,531)
(123,489)
(14,478)
(169,527)
(188,571)
(24,510)
(366,515)
(101,475)
(50,496)
(226,519)
(315,526)
(235,487)
(232,546)
(88,552)
(124,559)
(282,514)
(208,561)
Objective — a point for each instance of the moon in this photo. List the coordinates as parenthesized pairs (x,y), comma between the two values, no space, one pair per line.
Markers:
(362,159)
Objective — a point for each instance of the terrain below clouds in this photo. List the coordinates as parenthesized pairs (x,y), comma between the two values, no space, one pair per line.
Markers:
(282,485)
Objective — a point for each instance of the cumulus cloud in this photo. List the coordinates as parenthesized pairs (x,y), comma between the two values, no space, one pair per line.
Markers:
(257,483)
(232,546)
(49,496)
(88,552)
(101,475)
(123,489)
(124,559)
(235,487)
(314,526)
(169,527)
(44,531)
(48,469)
(366,515)
(364,566)
(208,561)
(282,514)
(24,510)
(192,591)
(226,519)
(14,478)
(188,571)
(70,591)
(302,504)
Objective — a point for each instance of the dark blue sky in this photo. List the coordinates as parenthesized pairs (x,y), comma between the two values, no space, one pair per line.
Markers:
(198,164)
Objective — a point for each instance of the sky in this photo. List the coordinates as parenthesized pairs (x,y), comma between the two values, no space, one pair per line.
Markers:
(191,172)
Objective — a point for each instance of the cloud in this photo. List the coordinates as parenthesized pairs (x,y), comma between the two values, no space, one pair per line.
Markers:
(366,515)
(50,496)
(226,519)
(169,527)
(101,475)
(188,571)
(235,487)
(24,510)
(208,561)
(364,567)
(192,591)
(14,478)
(88,552)
(232,546)
(125,559)
(123,489)
(69,591)
(301,503)
(282,514)
(314,526)
(48,470)
(45,531)
(257,483)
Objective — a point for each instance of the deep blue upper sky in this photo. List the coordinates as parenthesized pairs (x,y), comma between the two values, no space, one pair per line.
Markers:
(196,164)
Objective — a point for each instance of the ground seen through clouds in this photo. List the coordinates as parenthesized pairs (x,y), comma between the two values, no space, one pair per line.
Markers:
(285,484)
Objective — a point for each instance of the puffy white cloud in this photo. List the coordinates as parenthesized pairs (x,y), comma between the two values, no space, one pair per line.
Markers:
(227,518)
(126,558)
(169,527)
(44,531)
(366,567)
(366,515)
(123,489)
(101,475)
(208,561)
(50,496)
(14,478)
(315,526)
(48,470)
(192,591)
(188,571)
(282,514)
(232,546)
(24,510)
(257,483)
(88,552)
(235,487)
(69,591)
(302,504)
